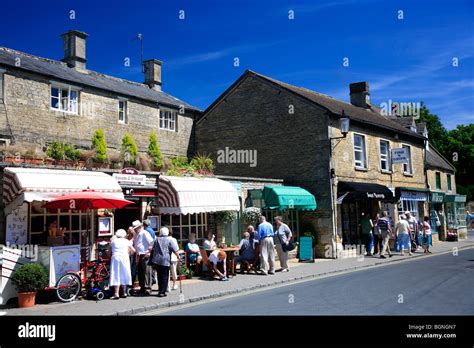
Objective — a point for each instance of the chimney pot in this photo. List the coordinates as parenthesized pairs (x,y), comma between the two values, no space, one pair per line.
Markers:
(360,95)
(153,73)
(75,49)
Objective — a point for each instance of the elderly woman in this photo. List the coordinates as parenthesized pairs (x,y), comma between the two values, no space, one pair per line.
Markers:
(161,252)
(209,243)
(192,248)
(120,274)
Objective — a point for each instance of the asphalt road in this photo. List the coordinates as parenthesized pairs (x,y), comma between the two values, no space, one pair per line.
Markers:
(438,284)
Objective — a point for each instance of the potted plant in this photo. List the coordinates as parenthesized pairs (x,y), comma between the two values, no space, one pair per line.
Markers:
(184,273)
(29,279)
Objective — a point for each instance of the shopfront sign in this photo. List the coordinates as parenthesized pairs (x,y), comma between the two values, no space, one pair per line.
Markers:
(413,196)
(130,176)
(375,195)
(437,197)
(400,155)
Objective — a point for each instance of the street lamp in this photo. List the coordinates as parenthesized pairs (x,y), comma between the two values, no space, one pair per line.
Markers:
(344,122)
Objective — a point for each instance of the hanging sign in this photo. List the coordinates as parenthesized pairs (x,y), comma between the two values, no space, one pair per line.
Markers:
(400,155)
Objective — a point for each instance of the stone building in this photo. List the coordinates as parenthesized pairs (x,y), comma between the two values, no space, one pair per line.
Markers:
(261,127)
(44,100)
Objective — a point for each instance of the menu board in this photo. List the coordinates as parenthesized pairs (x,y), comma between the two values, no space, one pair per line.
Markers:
(306,249)
(17,225)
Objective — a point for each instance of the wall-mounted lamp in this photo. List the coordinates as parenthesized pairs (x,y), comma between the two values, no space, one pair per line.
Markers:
(344,123)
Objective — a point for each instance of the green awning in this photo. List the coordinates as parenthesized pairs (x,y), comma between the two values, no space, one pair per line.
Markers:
(455,198)
(288,197)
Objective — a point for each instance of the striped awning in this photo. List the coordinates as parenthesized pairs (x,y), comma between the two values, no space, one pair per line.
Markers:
(191,195)
(32,184)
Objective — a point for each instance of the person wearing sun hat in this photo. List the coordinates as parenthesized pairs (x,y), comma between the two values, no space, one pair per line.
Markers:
(143,243)
(120,274)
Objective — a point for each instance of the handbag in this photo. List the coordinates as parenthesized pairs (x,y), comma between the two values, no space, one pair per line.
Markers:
(286,247)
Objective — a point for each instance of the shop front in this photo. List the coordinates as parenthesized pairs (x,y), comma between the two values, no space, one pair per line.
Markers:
(185,204)
(59,238)
(286,201)
(437,214)
(455,216)
(413,200)
(355,198)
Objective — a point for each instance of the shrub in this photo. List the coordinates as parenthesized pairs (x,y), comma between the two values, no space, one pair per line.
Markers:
(154,151)
(31,277)
(99,145)
(202,163)
(56,150)
(60,151)
(129,146)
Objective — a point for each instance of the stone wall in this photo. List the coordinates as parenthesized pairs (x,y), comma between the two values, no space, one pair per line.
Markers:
(431,174)
(27,99)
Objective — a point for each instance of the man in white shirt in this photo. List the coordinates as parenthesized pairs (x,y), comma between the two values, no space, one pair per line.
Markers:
(143,243)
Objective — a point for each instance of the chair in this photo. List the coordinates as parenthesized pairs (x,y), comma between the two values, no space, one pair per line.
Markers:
(191,265)
(205,261)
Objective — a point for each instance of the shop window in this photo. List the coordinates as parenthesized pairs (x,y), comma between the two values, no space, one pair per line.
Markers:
(182,225)
(64,98)
(407,167)
(122,111)
(456,214)
(438,180)
(168,120)
(411,206)
(41,220)
(448,180)
(360,156)
(384,156)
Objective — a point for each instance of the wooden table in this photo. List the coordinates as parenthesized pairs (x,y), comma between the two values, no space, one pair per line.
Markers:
(230,257)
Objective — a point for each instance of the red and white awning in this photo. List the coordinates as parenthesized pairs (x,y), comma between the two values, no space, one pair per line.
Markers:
(31,184)
(191,195)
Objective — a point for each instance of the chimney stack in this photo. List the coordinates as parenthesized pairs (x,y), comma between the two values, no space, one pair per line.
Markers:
(360,96)
(153,73)
(75,49)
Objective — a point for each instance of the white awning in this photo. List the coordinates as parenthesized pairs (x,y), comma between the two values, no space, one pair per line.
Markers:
(190,195)
(32,184)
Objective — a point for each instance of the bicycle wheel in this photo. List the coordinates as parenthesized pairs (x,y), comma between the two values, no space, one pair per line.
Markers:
(102,277)
(68,287)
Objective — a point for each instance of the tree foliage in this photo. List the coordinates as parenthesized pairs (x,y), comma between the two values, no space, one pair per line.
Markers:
(456,145)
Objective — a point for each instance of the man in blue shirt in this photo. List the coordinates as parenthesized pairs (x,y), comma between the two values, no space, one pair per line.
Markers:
(147,226)
(267,247)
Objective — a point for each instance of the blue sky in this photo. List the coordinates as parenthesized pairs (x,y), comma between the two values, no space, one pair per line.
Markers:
(405,60)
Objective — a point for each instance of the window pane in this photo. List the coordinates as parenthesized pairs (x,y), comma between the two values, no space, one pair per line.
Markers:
(55,92)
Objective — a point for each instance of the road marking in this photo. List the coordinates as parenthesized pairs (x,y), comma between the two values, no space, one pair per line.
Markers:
(277,286)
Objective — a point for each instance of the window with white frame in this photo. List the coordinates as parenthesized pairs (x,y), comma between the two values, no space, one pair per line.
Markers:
(407,167)
(168,119)
(384,156)
(360,156)
(122,111)
(64,98)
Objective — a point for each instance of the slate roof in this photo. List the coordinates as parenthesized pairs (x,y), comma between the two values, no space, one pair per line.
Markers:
(435,160)
(367,116)
(59,70)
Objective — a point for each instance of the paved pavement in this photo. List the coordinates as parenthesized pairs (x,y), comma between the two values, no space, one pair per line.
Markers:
(437,285)
(198,290)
